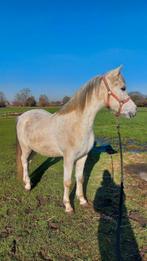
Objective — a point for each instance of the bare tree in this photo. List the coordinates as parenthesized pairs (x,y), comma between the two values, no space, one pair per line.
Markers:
(31,102)
(2,100)
(22,96)
(65,99)
(43,101)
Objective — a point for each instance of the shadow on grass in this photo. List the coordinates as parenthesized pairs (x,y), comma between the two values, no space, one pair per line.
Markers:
(38,173)
(92,159)
(106,203)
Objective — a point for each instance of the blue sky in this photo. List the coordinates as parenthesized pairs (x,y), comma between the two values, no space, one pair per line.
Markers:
(53,47)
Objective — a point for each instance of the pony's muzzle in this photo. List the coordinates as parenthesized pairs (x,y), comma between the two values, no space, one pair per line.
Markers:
(129,109)
(132,113)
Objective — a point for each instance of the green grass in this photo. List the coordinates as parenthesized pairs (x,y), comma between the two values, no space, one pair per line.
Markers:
(5,111)
(34,226)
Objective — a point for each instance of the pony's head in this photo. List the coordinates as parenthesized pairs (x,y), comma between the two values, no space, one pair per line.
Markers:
(116,97)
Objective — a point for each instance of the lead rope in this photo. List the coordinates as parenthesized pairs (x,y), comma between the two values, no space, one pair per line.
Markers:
(119,221)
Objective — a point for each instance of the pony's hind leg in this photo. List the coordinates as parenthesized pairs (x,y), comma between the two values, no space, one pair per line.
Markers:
(68,167)
(79,180)
(24,158)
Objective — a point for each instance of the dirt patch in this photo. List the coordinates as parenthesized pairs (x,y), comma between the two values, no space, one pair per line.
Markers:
(42,201)
(53,226)
(44,256)
(139,169)
(135,215)
(6,232)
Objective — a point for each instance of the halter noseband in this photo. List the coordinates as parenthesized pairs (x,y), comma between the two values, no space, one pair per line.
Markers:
(110,93)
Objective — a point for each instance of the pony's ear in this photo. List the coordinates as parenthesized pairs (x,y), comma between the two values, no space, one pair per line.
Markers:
(116,71)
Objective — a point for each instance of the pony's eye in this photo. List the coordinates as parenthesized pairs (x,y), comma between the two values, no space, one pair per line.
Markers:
(123,88)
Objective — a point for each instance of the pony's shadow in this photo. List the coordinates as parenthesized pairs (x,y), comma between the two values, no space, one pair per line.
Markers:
(106,203)
(92,159)
(38,173)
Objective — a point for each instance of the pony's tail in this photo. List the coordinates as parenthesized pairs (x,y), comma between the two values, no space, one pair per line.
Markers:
(18,159)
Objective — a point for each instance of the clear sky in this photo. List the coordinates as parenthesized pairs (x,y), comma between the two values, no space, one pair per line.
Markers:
(54,46)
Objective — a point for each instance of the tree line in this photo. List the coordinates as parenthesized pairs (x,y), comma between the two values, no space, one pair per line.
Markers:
(25,98)
(139,99)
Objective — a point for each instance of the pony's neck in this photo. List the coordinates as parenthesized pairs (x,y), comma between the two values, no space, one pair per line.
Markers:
(96,103)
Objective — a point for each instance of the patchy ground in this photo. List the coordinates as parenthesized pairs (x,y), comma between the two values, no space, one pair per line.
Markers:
(140,169)
(34,226)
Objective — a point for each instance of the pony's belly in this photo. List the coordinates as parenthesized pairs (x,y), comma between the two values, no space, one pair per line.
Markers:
(48,151)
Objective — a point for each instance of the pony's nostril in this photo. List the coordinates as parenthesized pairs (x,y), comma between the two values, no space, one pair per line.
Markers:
(131,114)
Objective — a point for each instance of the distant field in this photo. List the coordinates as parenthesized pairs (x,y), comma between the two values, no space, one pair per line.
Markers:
(33,225)
(7,110)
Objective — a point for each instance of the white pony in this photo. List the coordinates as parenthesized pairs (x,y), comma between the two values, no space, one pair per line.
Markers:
(68,133)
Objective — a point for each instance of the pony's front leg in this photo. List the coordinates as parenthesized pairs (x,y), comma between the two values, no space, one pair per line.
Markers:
(68,167)
(79,179)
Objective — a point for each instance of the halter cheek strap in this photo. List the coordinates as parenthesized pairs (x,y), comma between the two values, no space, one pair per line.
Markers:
(110,93)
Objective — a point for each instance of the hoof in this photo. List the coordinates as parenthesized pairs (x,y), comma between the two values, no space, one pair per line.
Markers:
(85,205)
(69,211)
(28,187)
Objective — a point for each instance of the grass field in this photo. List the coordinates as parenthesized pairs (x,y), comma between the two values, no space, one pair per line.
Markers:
(33,225)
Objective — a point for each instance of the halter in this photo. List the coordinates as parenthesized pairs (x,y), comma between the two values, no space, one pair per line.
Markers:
(110,93)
